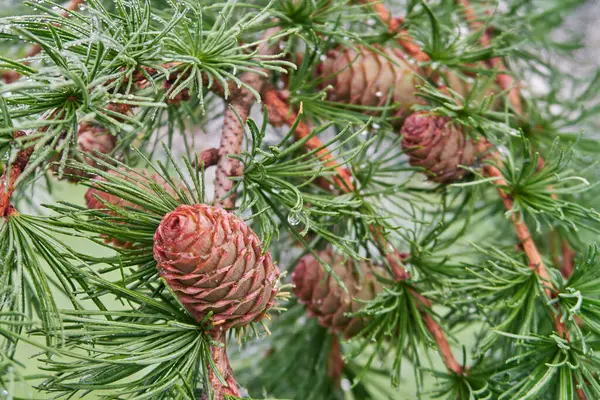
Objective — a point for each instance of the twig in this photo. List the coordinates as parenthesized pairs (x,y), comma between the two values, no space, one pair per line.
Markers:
(219,356)
(524,235)
(505,81)
(438,335)
(16,168)
(393,25)
(233,126)
(395,258)
(208,158)
(279,109)
(568,255)
(525,239)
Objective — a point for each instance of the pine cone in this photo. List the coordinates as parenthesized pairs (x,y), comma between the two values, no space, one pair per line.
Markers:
(95,198)
(366,77)
(214,263)
(325,299)
(438,145)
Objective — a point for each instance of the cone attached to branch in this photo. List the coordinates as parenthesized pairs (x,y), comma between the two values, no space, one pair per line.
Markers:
(438,145)
(368,77)
(214,263)
(325,299)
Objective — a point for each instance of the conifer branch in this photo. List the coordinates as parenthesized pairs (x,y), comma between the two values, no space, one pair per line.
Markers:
(568,257)
(438,335)
(525,239)
(394,258)
(505,81)
(10,176)
(235,117)
(208,158)
(280,109)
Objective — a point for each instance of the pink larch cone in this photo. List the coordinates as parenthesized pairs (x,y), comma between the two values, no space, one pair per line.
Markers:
(326,300)
(438,145)
(214,263)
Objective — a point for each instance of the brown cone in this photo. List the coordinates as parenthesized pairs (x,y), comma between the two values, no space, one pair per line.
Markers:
(325,299)
(366,77)
(95,198)
(214,263)
(438,145)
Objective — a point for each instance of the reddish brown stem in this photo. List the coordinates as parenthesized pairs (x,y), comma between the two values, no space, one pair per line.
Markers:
(233,126)
(440,338)
(505,81)
(568,256)
(280,110)
(219,356)
(438,335)
(393,24)
(16,168)
(524,235)
(526,240)
(208,158)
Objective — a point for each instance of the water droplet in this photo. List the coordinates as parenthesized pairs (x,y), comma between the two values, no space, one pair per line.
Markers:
(503,150)
(295,218)
(378,94)
(371,21)
(345,385)
(323,57)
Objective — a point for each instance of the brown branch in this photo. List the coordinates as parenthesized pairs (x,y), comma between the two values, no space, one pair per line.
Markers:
(12,174)
(568,256)
(393,24)
(442,343)
(525,239)
(505,81)
(438,335)
(219,356)
(233,126)
(208,158)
